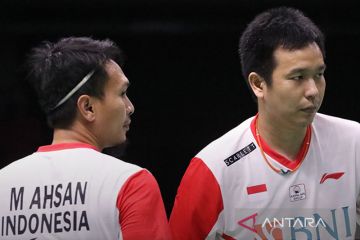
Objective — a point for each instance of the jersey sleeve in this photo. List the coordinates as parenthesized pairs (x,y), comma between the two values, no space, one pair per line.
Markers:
(357,161)
(142,213)
(198,203)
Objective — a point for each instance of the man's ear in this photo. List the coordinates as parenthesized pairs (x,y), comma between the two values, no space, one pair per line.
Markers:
(257,84)
(86,108)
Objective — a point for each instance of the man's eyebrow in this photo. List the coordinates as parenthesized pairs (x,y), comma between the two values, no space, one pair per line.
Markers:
(296,70)
(322,67)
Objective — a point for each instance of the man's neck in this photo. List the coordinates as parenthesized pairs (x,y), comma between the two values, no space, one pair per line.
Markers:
(75,133)
(279,136)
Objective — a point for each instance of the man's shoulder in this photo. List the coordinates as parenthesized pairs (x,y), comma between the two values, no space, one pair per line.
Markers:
(228,144)
(336,128)
(71,158)
(334,119)
(16,162)
(112,162)
(335,123)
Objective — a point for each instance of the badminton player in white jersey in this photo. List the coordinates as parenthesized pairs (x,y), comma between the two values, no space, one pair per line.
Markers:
(69,189)
(288,172)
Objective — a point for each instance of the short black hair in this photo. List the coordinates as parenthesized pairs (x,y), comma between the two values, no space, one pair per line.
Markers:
(278,27)
(56,68)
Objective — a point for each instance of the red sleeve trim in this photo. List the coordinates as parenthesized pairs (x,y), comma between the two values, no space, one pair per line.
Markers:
(198,203)
(141,209)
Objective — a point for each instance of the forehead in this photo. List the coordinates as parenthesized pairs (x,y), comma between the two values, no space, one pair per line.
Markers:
(307,57)
(117,78)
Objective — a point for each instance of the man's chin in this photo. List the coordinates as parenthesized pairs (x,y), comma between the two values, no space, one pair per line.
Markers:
(306,122)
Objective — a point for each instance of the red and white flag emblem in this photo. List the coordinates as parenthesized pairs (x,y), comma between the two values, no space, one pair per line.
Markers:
(256,189)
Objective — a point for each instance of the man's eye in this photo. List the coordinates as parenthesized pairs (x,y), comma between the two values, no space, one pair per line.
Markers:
(319,75)
(297,77)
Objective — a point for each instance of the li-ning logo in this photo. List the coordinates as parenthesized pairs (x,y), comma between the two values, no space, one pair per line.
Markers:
(335,176)
(240,154)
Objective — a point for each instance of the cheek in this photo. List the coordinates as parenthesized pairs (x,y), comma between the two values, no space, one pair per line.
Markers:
(121,111)
(323,87)
(115,112)
(322,92)
(281,95)
(285,98)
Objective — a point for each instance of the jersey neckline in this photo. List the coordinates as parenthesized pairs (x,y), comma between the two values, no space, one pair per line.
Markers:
(290,164)
(64,146)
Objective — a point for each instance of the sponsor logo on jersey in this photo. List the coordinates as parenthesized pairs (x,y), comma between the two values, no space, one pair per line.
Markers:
(240,154)
(335,176)
(297,192)
(252,224)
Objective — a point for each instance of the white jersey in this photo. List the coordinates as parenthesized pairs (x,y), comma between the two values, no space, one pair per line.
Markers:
(72,191)
(230,191)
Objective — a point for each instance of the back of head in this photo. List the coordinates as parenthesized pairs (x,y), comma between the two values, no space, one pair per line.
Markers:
(278,27)
(56,68)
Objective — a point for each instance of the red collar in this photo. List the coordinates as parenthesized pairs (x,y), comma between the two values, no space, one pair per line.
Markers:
(290,164)
(63,146)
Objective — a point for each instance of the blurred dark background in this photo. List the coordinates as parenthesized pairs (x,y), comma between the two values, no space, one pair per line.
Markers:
(182,62)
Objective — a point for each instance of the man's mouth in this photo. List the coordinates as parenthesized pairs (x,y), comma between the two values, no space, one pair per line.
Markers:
(127,125)
(311,109)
